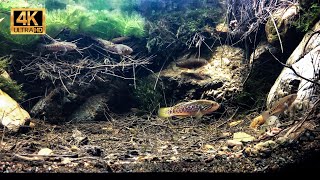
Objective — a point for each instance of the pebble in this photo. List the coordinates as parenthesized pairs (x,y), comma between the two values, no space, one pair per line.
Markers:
(237,148)
(232,143)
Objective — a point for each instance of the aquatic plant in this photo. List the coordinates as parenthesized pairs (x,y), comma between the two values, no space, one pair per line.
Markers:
(7,5)
(308,18)
(146,96)
(110,24)
(11,87)
(99,23)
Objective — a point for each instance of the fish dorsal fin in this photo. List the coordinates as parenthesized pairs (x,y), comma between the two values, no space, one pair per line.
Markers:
(182,103)
(283,101)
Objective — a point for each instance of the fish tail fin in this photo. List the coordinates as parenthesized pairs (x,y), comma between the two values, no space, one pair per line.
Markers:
(164,112)
(265,115)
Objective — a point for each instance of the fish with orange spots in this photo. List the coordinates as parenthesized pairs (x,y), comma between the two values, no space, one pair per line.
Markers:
(194,108)
(279,107)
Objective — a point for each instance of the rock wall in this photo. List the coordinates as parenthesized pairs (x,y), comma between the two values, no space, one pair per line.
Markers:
(305,60)
(219,79)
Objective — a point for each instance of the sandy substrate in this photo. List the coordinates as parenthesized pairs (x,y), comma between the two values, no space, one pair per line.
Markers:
(148,144)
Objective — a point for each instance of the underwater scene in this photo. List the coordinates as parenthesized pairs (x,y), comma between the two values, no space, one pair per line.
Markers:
(216,86)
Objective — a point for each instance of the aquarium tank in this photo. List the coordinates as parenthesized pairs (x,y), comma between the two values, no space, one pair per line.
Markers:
(215,86)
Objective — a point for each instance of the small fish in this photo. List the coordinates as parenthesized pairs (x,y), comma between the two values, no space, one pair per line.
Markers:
(279,107)
(196,108)
(191,63)
(120,39)
(120,49)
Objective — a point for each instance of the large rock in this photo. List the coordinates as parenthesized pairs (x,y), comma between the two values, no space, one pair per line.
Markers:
(282,18)
(12,115)
(219,79)
(306,62)
(262,52)
(92,109)
(56,105)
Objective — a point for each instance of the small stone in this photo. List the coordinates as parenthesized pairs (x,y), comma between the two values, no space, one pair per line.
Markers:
(45,151)
(74,148)
(231,143)
(224,148)
(237,148)
(66,160)
(242,136)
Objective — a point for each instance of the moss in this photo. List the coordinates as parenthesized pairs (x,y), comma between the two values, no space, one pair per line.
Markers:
(100,23)
(11,87)
(308,18)
(146,96)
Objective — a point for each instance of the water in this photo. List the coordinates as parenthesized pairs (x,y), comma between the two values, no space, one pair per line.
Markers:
(120,61)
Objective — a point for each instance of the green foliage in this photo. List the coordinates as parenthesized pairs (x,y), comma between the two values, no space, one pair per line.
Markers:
(100,23)
(8,85)
(308,18)
(110,24)
(147,98)
(4,62)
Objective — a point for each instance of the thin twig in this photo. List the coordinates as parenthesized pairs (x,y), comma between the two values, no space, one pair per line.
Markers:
(294,71)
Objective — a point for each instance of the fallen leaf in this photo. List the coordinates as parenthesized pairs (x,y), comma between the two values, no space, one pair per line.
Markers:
(234,123)
(242,136)
(45,152)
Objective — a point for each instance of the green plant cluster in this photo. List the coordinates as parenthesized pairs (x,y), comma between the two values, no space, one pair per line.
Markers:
(99,23)
(11,87)
(308,18)
(146,97)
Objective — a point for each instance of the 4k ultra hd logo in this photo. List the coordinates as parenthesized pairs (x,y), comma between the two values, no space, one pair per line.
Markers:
(28,21)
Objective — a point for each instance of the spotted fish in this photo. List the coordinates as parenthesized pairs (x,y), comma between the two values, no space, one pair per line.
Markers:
(279,107)
(196,108)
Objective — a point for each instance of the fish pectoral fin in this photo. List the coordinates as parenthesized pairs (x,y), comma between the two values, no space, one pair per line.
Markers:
(198,115)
